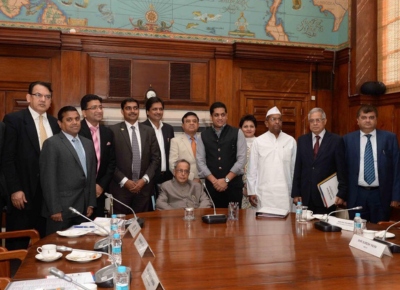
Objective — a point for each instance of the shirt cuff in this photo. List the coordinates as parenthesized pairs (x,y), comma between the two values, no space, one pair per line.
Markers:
(146,177)
(122,182)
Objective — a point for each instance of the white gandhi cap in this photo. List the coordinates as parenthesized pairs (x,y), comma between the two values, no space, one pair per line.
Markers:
(273,111)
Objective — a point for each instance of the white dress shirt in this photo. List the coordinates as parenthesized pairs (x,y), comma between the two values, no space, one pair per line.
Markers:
(160,139)
(314,139)
(46,124)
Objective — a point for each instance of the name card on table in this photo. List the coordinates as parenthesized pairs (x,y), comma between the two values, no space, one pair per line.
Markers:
(143,247)
(347,225)
(134,228)
(150,278)
(369,246)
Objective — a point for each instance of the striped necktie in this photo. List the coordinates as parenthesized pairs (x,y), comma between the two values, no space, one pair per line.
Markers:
(136,162)
(96,144)
(369,166)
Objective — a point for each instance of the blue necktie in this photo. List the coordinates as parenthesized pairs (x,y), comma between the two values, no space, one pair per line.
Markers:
(369,167)
(81,154)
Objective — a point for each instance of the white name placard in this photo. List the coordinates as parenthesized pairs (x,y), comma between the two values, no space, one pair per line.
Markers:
(134,228)
(143,247)
(150,278)
(347,225)
(369,246)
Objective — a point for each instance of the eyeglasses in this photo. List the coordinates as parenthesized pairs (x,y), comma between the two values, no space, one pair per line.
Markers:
(273,119)
(364,118)
(319,120)
(185,171)
(39,96)
(94,108)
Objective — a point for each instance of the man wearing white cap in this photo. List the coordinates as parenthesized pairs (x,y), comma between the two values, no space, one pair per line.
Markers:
(271,165)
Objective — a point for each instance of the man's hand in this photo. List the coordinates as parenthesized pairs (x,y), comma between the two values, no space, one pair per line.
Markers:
(57,217)
(197,180)
(18,199)
(99,190)
(130,185)
(220,185)
(89,211)
(395,203)
(340,202)
(253,200)
(297,199)
(139,185)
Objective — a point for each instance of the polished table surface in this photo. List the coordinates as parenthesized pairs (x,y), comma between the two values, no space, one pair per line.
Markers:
(246,254)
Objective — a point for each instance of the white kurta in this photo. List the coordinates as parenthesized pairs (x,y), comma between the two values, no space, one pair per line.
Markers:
(270,170)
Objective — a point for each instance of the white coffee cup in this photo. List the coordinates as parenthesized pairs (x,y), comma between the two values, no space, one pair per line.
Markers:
(369,234)
(47,251)
(309,214)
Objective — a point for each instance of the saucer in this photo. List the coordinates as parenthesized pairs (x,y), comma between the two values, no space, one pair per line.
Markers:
(43,259)
(82,257)
(388,235)
(72,233)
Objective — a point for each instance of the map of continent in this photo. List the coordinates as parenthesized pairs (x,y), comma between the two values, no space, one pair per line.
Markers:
(337,7)
(12,8)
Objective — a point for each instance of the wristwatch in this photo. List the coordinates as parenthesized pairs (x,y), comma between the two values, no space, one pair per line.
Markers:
(227,179)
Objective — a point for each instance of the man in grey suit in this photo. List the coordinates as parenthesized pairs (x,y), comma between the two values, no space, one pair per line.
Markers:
(181,192)
(138,157)
(68,174)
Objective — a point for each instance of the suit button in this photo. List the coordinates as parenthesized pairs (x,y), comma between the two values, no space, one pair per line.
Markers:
(313,168)
(219,168)
(219,149)
(219,158)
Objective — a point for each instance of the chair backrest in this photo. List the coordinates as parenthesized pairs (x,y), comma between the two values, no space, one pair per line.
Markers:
(4,266)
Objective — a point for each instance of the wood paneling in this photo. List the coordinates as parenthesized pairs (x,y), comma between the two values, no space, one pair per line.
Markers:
(99,76)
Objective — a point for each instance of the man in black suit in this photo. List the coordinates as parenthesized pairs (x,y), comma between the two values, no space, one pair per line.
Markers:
(3,192)
(26,131)
(164,133)
(318,157)
(138,157)
(103,141)
(67,174)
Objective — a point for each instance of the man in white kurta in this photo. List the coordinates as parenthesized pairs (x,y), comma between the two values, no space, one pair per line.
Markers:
(271,166)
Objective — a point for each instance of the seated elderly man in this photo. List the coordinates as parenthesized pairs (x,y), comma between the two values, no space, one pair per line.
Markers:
(181,192)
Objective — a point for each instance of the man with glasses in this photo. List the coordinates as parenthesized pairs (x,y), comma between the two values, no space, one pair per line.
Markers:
(271,165)
(372,163)
(181,192)
(25,133)
(317,158)
(103,141)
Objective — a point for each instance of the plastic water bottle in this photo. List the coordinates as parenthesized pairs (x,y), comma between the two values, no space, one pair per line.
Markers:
(357,224)
(122,279)
(299,211)
(117,249)
(114,224)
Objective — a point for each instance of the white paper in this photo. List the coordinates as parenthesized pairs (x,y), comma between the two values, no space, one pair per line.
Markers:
(347,225)
(328,190)
(134,228)
(371,247)
(82,278)
(272,212)
(141,245)
(150,278)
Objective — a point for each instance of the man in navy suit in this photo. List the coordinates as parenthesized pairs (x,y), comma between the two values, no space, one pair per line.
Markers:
(103,141)
(372,159)
(317,158)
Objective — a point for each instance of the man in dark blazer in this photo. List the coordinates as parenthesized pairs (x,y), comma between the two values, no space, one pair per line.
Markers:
(26,131)
(317,158)
(164,133)
(138,157)
(67,174)
(372,159)
(3,192)
(103,141)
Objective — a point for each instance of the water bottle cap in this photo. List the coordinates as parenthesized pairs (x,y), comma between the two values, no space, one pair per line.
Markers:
(358,214)
(114,216)
(299,203)
(121,269)
(116,236)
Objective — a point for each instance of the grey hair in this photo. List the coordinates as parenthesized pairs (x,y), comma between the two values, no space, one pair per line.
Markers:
(179,161)
(315,110)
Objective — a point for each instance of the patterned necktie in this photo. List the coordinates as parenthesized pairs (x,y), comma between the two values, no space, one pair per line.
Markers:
(42,131)
(135,156)
(316,146)
(369,166)
(193,146)
(96,144)
(81,154)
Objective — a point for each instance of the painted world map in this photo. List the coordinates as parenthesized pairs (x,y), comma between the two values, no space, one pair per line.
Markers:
(323,23)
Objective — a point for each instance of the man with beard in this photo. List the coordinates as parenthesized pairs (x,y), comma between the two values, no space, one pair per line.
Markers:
(271,165)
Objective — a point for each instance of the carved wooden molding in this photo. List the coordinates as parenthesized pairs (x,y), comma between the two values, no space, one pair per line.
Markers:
(39,37)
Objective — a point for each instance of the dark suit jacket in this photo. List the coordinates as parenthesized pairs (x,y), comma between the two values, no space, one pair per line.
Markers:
(308,172)
(21,153)
(107,154)
(168,134)
(388,167)
(123,152)
(63,180)
(3,192)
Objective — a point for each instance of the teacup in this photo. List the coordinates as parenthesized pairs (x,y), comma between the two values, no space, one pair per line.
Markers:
(308,214)
(47,251)
(369,234)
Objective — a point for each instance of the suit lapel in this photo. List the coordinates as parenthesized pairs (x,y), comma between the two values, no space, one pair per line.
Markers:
(86,147)
(71,149)
(186,142)
(356,142)
(31,130)
(125,135)
(323,145)
(85,131)
(53,124)
(309,146)
(379,145)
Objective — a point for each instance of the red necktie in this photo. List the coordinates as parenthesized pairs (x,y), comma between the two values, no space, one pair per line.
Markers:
(193,146)
(316,146)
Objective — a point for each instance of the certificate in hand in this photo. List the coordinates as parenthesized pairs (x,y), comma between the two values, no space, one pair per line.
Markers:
(328,189)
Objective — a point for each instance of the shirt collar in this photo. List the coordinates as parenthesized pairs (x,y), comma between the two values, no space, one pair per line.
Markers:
(70,137)
(188,136)
(322,134)
(373,133)
(220,130)
(36,115)
(129,125)
(90,125)
(154,127)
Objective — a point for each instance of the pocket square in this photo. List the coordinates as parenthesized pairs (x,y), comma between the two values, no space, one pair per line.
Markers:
(108,143)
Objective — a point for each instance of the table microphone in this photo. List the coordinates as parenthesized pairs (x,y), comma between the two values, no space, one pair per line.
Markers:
(128,222)
(92,221)
(325,226)
(392,247)
(60,274)
(213,218)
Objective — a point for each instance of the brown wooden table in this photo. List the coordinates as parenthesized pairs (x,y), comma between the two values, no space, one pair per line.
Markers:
(247,254)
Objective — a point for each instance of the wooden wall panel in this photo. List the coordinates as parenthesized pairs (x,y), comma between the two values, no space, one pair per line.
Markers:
(223,90)
(386,118)
(70,76)
(29,69)
(199,84)
(99,76)
(146,72)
